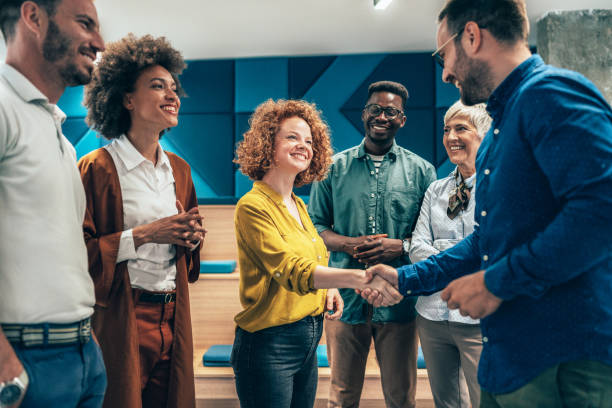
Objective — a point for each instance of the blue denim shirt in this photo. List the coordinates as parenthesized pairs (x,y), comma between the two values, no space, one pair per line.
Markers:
(544,210)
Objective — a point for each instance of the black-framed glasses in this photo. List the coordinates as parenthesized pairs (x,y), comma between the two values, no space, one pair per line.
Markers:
(375,109)
(436,54)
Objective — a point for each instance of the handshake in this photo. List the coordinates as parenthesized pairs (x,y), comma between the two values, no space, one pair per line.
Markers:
(380,287)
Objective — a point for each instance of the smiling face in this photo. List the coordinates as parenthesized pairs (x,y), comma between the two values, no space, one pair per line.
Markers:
(72,41)
(472,77)
(154,102)
(461,141)
(293,146)
(380,130)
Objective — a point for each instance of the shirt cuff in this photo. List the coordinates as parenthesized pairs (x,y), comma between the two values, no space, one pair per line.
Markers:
(127,249)
(408,280)
(497,280)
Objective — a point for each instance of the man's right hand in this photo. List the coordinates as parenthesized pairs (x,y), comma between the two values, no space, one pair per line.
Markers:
(379,271)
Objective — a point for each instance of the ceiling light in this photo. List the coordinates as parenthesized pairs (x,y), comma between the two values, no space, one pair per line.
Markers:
(381,4)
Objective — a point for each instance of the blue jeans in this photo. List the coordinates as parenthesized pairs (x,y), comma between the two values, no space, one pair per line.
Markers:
(277,367)
(63,376)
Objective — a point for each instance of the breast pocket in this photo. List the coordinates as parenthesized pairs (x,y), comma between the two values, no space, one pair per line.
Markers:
(402,204)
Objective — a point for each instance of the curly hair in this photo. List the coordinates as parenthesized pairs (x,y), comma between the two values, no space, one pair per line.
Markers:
(255,153)
(116,74)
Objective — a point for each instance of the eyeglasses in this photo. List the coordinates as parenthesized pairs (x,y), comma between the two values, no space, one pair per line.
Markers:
(375,109)
(436,54)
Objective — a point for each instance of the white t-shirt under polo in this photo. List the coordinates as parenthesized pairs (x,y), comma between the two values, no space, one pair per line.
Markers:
(44,275)
(148,194)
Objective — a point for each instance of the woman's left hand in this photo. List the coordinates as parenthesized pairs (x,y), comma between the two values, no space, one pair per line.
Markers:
(334,305)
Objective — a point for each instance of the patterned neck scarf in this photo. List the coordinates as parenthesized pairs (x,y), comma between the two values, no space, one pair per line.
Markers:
(459,197)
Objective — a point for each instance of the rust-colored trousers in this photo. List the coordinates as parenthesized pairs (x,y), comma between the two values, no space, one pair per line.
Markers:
(155,336)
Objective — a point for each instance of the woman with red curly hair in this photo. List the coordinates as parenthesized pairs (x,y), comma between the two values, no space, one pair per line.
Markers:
(283,260)
(142,226)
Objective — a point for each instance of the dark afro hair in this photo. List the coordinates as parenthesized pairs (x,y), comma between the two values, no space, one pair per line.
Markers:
(116,74)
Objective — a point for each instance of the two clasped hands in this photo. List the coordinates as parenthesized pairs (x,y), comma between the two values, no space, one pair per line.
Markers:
(469,293)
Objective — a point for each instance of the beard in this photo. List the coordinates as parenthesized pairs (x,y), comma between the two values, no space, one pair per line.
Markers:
(477,82)
(56,47)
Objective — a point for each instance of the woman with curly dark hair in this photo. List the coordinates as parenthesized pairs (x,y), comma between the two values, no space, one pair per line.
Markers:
(283,260)
(143,246)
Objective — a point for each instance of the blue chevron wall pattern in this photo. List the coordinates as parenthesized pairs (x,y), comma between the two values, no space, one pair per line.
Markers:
(222,94)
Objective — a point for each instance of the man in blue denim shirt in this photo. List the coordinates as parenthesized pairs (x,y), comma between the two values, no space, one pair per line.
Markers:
(538,269)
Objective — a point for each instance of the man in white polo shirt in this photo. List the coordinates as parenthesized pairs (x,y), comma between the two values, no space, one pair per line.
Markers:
(47,357)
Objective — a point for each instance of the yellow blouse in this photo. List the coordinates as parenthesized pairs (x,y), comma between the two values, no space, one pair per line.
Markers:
(277,257)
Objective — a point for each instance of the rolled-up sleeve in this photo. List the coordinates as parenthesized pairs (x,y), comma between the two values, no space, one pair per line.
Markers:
(262,242)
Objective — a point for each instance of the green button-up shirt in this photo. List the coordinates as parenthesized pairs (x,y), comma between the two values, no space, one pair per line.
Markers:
(356,200)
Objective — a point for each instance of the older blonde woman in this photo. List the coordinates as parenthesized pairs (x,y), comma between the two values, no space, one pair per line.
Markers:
(451,343)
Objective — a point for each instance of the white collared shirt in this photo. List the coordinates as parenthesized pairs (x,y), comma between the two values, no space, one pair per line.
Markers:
(148,194)
(436,232)
(44,275)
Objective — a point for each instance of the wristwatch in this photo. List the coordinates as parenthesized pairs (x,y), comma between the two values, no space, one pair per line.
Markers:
(405,246)
(13,391)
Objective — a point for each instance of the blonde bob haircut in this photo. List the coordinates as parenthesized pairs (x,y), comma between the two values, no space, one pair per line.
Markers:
(476,114)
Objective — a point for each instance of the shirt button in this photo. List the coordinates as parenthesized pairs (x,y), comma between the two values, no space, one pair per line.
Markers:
(370,218)
(372,195)
(496,131)
(373,230)
(373,223)
(277,275)
(484,213)
(485,258)
(485,339)
(408,292)
(372,172)
(314,240)
(319,257)
(487,172)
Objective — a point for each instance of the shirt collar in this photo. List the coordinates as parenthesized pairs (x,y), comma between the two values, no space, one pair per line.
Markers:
(500,96)
(263,187)
(457,176)
(392,153)
(132,158)
(27,91)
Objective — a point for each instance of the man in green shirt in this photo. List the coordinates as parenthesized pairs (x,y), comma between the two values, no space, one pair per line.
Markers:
(365,211)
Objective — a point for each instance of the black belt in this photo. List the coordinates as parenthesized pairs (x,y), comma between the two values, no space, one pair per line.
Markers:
(161,298)
(33,335)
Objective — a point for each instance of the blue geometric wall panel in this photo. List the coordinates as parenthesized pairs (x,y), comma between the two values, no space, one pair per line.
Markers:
(414,71)
(222,94)
(89,142)
(74,128)
(201,186)
(209,86)
(334,87)
(258,79)
(416,133)
(205,141)
(71,102)
(446,94)
(304,72)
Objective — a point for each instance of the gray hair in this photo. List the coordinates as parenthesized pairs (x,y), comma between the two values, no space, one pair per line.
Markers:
(476,114)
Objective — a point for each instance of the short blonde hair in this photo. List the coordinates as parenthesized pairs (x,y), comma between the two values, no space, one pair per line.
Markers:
(476,114)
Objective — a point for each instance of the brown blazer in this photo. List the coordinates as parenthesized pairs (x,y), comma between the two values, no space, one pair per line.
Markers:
(114,321)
